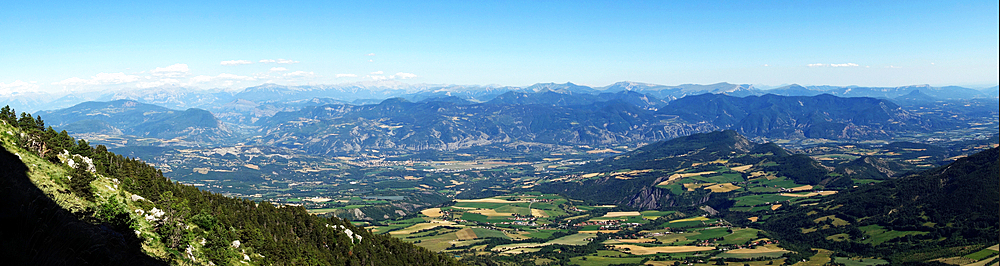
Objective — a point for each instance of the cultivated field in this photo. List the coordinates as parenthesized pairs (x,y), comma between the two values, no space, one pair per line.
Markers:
(641,250)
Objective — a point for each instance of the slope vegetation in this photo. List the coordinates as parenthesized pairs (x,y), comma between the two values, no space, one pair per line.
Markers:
(100,207)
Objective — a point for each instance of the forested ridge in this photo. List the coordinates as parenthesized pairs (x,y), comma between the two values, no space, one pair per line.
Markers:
(181,224)
(914,218)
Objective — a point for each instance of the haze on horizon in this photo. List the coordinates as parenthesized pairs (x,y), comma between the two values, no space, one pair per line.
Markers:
(67,46)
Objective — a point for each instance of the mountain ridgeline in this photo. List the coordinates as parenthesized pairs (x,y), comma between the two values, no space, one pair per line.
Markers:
(822,116)
(571,119)
(337,120)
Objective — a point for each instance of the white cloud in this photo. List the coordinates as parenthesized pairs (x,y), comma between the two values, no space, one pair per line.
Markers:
(766,65)
(100,79)
(17,86)
(278,61)
(173,71)
(347,75)
(891,66)
(402,75)
(278,69)
(377,77)
(221,77)
(299,74)
(377,73)
(157,83)
(371,54)
(72,81)
(833,65)
(235,62)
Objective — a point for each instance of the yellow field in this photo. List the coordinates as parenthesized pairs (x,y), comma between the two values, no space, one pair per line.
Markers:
(693,186)
(620,214)
(640,250)
(821,258)
(802,188)
(679,176)
(466,234)
(810,194)
(699,218)
(741,168)
(412,178)
(764,249)
(539,213)
(775,206)
(640,240)
(521,250)
(995,247)
(422,226)
(753,219)
(721,188)
(432,212)
(590,175)
(491,212)
(489,200)
(603,151)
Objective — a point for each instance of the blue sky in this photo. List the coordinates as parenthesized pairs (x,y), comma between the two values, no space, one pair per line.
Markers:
(62,46)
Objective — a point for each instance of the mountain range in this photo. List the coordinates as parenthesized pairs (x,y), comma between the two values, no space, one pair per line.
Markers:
(553,115)
(183,98)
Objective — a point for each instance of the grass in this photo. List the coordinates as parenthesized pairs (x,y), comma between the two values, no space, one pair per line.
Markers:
(486,233)
(602,261)
(878,235)
(740,236)
(752,200)
(835,221)
(982,254)
(655,214)
(859,262)
(475,217)
(821,258)
(641,250)
(710,234)
(769,251)
(542,233)
(573,240)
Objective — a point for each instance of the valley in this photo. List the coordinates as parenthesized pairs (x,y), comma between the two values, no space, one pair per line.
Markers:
(557,177)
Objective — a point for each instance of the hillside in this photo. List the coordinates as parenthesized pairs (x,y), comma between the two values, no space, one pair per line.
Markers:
(85,204)
(938,213)
(684,172)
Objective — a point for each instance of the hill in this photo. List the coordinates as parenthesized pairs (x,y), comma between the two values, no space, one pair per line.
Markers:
(936,213)
(678,171)
(138,119)
(66,202)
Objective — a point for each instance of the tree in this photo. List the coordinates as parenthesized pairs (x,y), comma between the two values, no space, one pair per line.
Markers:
(79,181)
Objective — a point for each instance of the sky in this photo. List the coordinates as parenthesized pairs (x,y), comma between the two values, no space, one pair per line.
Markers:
(79,46)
